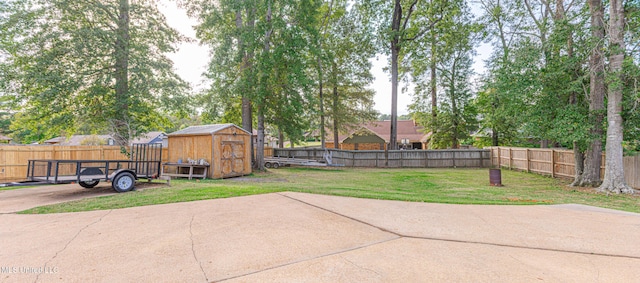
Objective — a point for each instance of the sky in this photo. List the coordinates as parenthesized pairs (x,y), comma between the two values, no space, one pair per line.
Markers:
(192,58)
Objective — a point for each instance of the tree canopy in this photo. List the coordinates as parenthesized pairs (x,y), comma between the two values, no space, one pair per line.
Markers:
(74,66)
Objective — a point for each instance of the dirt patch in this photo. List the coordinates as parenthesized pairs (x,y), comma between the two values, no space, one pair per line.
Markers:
(25,198)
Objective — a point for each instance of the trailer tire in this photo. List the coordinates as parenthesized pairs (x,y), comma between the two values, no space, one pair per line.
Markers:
(268,164)
(123,182)
(276,165)
(88,184)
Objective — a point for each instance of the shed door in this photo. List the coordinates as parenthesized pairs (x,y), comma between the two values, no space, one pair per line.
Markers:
(232,158)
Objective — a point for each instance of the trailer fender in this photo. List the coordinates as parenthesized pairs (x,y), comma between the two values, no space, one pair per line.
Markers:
(117,172)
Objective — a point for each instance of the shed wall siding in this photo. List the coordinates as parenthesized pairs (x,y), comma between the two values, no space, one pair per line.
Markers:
(194,147)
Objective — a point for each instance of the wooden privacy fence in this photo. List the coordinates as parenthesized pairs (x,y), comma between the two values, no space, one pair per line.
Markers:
(394,158)
(268,151)
(13,158)
(555,162)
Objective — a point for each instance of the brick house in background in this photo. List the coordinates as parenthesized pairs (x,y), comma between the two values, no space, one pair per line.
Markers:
(376,135)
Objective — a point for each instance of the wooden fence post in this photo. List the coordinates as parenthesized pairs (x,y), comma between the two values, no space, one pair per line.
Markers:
(527,160)
(510,158)
(499,160)
(426,163)
(553,164)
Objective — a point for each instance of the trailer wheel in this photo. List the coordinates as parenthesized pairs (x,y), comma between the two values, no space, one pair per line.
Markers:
(123,182)
(276,165)
(267,164)
(88,184)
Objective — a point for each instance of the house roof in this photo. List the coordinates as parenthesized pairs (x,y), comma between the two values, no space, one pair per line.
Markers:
(148,137)
(204,129)
(74,140)
(407,129)
(363,135)
(5,138)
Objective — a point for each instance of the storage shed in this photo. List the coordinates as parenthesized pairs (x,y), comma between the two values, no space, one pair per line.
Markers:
(226,147)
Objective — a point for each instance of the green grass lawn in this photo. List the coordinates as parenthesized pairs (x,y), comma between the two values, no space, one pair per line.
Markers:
(460,186)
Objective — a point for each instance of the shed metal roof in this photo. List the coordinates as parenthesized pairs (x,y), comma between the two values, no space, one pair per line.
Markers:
(204,129)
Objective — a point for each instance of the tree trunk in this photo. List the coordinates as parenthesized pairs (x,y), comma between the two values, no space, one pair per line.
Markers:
(395,53)
(259,164)
(247,111)
(544,143)
(280,139)
(322,140)
(593,156)
(247,108)
(335,105)
(614,171)
(454,108)
(494,137)
(325,20)
(578,158)
(121,127)
(434,94)
(336,139)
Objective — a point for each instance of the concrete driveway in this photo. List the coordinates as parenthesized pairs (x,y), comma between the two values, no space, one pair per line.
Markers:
(296,237)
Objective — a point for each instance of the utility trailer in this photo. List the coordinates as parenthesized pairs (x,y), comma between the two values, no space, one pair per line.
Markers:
(144,163)
(277,162)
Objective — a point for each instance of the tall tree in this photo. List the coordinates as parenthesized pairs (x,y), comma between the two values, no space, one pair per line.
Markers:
(229,28)
(631,96)
(399,22)
(121,123)
(263,60)
(451,54)
(614,170)
(327,12)
(455,68)
(347,48)
(96,64)
(590,175)
(505,22)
